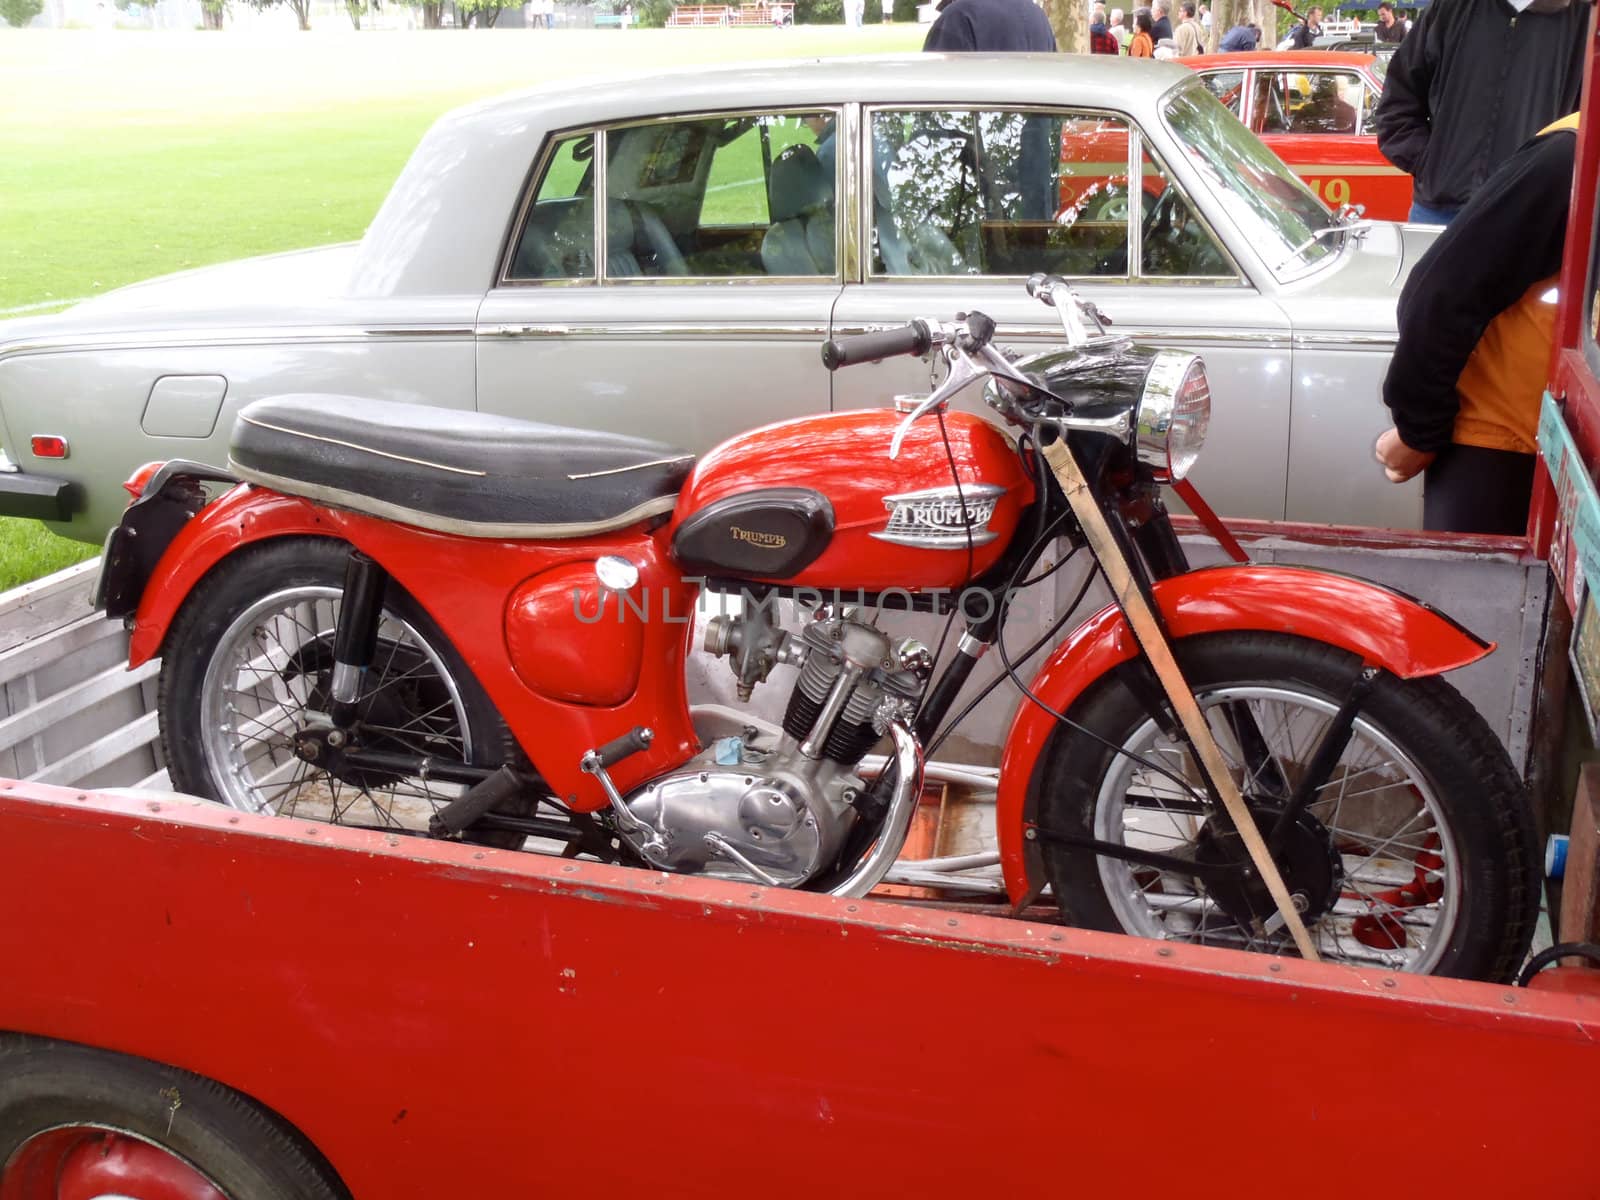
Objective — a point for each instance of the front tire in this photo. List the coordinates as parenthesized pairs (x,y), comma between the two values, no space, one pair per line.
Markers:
(248,663)
(1431,830)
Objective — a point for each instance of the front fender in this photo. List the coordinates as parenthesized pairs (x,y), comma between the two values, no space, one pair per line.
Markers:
(1385,628)
(246,514)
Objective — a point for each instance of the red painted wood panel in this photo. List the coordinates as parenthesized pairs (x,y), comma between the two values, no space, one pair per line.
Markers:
(444,1021)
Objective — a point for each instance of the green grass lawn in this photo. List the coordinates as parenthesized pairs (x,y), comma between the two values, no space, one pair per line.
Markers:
(129,155)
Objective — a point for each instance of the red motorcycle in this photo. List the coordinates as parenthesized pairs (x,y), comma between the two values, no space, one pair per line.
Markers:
(451,623)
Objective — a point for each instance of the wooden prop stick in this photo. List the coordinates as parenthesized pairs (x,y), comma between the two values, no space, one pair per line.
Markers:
(1154,643)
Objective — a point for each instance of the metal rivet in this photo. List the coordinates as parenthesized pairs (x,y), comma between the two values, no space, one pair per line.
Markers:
(1056,937)
(478,855)
(952,922)
(1388,983)
(1165,952)
(1510,997)
(1274,966)
(852,908)
(568,870)
(233,820)
(154,807)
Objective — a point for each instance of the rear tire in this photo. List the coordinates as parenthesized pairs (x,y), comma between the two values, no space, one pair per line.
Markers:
(248,662)
(56,1098)
(1423,780)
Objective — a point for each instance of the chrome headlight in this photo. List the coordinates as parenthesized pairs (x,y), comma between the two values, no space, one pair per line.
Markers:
(1174,414)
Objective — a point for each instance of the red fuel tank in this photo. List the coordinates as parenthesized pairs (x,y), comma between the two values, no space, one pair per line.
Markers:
(818,503)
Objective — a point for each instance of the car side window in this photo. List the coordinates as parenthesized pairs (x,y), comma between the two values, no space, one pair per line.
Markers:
(998,193)
(715,197)
(1228,87)
(557,240)
(1308,102)
(1174,242)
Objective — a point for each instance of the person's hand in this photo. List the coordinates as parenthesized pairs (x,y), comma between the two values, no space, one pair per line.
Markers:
(1400,461)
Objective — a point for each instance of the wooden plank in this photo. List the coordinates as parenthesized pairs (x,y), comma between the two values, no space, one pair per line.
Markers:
(43,649)
(1580,886)
(99,753)
(46,604)
(64,705)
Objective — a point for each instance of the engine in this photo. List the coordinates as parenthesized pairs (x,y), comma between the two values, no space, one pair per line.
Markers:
(777,808)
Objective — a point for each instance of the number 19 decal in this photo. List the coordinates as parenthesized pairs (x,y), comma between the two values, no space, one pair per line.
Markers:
(1333,192)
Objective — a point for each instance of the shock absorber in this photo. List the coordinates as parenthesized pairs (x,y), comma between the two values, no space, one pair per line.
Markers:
(355,638)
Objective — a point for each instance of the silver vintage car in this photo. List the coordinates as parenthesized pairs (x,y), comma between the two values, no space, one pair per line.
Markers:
(664,256)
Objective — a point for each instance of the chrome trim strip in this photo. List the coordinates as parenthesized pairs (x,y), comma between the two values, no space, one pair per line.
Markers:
(332,441)
(656,462)
(292,336)
(1135,261)
(356,502)
(853,198)
(1348,341)
(1180,337)
(625,329)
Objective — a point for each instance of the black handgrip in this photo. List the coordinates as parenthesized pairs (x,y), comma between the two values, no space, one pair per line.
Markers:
(635,740)
(914,338)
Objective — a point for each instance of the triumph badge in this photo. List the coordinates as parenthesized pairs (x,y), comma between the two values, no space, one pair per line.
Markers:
(942,518)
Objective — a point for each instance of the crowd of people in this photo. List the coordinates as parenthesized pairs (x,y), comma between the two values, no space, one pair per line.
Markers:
(1152,33)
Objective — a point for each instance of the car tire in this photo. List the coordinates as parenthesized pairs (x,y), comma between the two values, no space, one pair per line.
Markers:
(53,1090)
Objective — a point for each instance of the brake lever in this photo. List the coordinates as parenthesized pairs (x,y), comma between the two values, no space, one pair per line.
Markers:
(962,372)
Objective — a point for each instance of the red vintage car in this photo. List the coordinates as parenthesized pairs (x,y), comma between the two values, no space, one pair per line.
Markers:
(1314,109)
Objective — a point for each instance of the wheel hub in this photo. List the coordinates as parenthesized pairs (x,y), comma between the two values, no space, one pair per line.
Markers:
(1311,868)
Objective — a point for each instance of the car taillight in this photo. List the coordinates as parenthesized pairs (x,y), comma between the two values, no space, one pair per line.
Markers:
(49,445)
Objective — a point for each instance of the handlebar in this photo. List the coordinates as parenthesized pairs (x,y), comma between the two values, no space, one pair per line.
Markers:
(848,351)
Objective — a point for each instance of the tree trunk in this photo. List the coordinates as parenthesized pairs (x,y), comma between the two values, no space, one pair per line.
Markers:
(353,7)
(1071,25)
(211,16)
(1225,14)
(430,15)
(488,16)
(302,13)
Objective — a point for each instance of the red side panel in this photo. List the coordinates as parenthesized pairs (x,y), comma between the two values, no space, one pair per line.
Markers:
(445,1022)
(467,585)
(1385,628)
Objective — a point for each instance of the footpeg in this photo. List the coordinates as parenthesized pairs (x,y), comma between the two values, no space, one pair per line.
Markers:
(465,810)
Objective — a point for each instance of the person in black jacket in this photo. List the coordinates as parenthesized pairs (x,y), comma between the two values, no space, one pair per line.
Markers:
(1390,27)
(1477,317)
(1472,81)
(1160,22)
(991,25)
(1304,35)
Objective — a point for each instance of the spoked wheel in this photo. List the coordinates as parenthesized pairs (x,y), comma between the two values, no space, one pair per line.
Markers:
(249,669)
(78,1123)
(1415,854)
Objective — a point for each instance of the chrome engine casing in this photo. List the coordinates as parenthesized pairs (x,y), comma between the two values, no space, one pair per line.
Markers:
(777,807)
(788,814)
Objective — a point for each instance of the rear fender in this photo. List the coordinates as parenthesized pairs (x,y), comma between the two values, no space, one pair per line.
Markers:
(1385,628)
(244,515)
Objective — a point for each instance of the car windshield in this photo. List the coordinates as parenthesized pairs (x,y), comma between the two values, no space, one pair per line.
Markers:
(1380,68)
(1273,209)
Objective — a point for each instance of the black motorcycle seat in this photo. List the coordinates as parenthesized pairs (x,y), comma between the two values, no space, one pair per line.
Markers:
(466,473)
